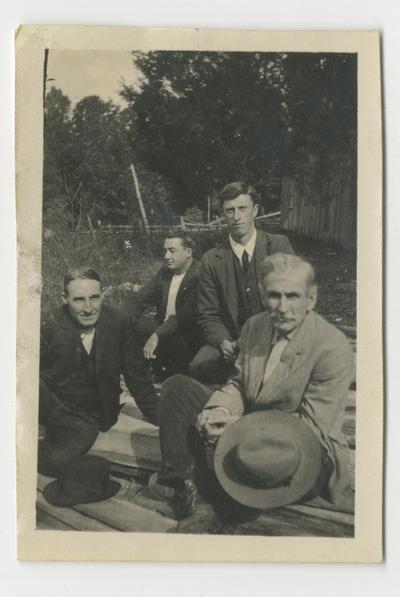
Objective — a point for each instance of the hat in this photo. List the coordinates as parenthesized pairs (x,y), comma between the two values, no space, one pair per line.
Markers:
(83,481)
(267,459)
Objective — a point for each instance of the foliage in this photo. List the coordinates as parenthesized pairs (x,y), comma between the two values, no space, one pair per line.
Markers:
(127,259)
(87,154)
(207,118)
(321,92)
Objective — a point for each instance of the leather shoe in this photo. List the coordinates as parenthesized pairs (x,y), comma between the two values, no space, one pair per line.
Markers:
(183,497)
(159,490)
(185,500)
(203,521)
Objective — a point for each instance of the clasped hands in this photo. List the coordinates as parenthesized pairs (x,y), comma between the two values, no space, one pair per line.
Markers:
(212,422)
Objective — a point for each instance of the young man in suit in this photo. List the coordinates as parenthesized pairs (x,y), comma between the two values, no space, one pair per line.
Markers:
(170,338)
(229,283)
(85,348)
(290,360)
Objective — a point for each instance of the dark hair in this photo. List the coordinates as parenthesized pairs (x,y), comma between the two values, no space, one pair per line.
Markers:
(80,273)
(234,189)
(187,241)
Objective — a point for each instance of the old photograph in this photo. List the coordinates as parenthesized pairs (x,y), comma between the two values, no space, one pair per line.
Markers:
(197,363)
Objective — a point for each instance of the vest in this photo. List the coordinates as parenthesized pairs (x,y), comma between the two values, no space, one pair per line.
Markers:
(81,392)
(249,301)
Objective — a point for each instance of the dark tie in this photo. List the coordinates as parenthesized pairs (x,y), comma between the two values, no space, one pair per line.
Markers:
(245,262)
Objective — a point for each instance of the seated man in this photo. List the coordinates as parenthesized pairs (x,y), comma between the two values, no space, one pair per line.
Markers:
(84,350)
(229,283)
(171,338)
(290,360)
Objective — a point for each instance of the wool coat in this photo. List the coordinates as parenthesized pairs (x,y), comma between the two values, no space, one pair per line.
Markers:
(116,353)
(154,294)
(218,297)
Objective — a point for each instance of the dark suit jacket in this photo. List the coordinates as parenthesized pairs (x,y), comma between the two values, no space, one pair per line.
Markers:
(155,294)
(116,353)
(311,381)
(218,300)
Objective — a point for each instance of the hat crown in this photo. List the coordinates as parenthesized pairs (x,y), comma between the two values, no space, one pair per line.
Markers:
(267,461)
(88,476)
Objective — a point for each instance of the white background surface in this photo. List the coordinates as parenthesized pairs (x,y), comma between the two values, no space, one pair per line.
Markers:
(100,579)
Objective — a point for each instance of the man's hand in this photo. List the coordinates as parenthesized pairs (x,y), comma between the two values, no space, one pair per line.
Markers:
(150,346)
(229,350)
(212,422)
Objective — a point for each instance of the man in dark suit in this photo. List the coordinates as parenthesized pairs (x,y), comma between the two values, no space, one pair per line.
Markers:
(229,283)
(85,348)
(171,338)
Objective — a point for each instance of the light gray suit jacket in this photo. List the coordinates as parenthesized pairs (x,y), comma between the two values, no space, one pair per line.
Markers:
(311,381)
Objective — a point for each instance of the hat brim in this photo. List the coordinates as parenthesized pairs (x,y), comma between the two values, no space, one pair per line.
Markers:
(55,496)
(262,498)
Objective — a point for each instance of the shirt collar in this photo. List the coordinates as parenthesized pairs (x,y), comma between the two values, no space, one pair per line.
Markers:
(238,249)
(276,338)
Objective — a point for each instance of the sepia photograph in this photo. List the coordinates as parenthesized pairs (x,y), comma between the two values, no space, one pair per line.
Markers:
(196,360)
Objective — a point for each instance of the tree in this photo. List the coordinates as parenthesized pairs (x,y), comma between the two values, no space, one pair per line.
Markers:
(205,119)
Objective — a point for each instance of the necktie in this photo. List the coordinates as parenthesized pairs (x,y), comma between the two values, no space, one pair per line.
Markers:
(245,262)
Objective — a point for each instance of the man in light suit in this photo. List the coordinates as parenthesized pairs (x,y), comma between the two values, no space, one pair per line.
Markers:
(171,337)
(229,283)
(290,360)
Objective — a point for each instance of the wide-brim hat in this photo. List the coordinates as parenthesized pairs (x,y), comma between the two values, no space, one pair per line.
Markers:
(267,459)
(85,480)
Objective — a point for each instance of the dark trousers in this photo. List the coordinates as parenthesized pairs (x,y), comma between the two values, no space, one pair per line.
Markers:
(182,450)
(68,434)
(209,366)
(182,399)
(173,353)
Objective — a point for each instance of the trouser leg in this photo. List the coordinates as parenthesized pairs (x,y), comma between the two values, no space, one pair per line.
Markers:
(144,328)
(209,367)
(181,400)
(67,434)
(172,353)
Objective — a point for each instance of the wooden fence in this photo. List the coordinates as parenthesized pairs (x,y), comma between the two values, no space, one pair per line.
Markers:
(333,219)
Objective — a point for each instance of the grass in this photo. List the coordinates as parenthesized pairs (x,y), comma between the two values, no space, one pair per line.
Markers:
(127,260)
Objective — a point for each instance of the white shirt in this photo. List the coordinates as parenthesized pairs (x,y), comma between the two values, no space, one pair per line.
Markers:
(87,337)
(176,281)
(238,249)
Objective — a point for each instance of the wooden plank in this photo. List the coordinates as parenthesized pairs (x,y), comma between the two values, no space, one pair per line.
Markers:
(70,517)
(127,462)
(127,516)
(323,513)
(287,523)
(117,512)
(132,441)
(45,522)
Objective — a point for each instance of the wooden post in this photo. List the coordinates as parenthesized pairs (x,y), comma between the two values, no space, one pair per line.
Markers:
(208,210)
(139,198)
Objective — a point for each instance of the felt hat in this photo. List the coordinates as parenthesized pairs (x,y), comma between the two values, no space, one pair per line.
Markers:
(85,480)
(267,459)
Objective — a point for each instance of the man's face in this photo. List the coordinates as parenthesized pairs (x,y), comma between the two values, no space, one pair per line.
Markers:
(288,300)
(84,299)
(240,214)
(176,255)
